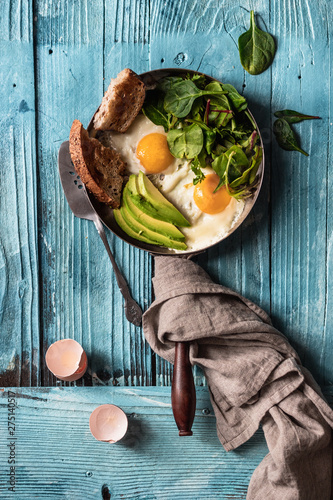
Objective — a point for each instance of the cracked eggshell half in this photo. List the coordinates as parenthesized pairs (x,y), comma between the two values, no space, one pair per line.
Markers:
(108,423)
(67,360)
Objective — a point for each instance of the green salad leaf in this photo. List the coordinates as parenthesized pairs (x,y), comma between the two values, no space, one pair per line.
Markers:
(180,97)
(186,142)
(153,108)
(256,49)
(196,166)
(235,167)
(208,124)
(238,101)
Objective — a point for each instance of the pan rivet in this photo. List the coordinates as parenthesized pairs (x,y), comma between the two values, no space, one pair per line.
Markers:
(206,411)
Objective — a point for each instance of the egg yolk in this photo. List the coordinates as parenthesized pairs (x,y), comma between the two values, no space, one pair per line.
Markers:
(205,198)
(153,153)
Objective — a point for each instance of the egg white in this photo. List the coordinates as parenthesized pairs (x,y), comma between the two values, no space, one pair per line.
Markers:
(176,184)
(205,229)
(126,143)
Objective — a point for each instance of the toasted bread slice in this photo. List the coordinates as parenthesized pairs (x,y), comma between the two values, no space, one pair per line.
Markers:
(121,103)
(101,169)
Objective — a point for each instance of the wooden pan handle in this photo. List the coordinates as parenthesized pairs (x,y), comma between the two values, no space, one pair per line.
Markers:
(183,390)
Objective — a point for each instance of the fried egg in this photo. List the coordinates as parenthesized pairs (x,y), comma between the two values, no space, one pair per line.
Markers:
(211,215)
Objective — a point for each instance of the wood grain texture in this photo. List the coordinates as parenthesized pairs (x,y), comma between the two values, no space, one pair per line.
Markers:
(63,285)
(67,70)
(19,307)
(57,457)
(300,189)
(55,277)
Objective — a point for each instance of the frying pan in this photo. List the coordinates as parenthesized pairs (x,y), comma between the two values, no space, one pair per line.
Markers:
(182,391)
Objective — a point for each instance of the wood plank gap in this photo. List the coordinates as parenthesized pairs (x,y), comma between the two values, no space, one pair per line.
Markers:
(41,363)
(270,156)
(153,355)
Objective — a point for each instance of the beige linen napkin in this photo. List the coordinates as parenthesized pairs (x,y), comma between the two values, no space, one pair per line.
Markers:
(254,376)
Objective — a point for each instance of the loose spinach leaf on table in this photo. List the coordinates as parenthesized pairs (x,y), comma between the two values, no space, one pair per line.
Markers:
(291,116)
(256,49)
(285,136)
(186,142)
(180,97)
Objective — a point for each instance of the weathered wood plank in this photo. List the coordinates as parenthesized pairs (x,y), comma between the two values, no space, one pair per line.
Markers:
(127,46)
(301,211)
(151,462)
(19,308)
(326,349)
(75,46)
(82,299)
(76,274)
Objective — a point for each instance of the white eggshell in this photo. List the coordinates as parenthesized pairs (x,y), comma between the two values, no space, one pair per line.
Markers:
(108,423)
(67,360)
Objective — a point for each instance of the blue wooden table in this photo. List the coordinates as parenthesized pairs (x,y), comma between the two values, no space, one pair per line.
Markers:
(57,58)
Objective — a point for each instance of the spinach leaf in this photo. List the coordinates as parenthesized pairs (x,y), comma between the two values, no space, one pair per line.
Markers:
(197,108)
(185,142)
(166,83)
(255,163)
(248,176)
(256,49)
(220,98)
(198,122)
(153,109)
(209,136)
(238,164)
(291,116)
(196,166)
(214,86)
(249,142)
(223,179)
(219,106)
(231,164)
(238,101)
(198,79)
(220,165)
(181,96)
(285,136)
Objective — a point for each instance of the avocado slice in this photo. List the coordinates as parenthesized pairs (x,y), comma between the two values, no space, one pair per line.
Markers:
(155,237)
(150,201)
(162,227)
(121,223)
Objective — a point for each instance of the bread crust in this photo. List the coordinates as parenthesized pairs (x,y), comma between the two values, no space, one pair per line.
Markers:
(101,169)
(121,103)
